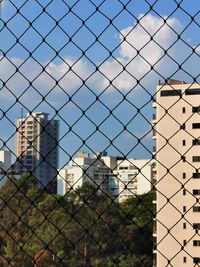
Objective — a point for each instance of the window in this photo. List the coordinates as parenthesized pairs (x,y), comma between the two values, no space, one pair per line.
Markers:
(196,158)
(196,192)
(183,158)
(196,260)
(184,259)
(183,110)
(184,242)
(184,225)
(184,208)
(123,168)
(170,92)
(193,91)
(196,109)
(196,175)
(183,126)
(184,142)
(184,192)
(184,175)
(196,142)
(196,226)
(196,243)
(196,126)
(29,156)
(196,209)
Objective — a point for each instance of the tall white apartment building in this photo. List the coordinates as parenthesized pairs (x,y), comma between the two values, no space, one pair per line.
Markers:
(37,148)
(177,136)
(121,177)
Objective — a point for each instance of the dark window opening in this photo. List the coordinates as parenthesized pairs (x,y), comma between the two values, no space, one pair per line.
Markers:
(183,126)
(196,192)
(196,260)
(196,175)
(196,158)
(196,209)
(196,243)
(196,109)
(170,93)
(196,226)
(196,126)
(192,91)
(196,142)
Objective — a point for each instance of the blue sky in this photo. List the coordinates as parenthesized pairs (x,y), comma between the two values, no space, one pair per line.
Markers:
(46,39)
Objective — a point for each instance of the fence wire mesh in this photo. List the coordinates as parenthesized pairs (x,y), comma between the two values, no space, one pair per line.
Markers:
(77,77)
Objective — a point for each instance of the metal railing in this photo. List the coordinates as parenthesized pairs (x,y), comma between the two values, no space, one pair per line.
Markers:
(77,77)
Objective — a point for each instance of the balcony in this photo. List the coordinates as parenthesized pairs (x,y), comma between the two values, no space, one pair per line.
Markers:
(154,118)
(154,103)
(155,198)
(154,134)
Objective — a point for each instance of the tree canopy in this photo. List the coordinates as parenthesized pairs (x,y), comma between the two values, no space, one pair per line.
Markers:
(82,228)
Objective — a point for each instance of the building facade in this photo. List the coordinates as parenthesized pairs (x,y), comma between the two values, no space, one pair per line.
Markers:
(5,160)
(82,169)
(122,178)
(37,148)
(177,136)
(5,166)
(133,177)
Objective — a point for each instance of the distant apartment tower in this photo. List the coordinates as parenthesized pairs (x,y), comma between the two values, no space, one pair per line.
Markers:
(177,136)
(37,148)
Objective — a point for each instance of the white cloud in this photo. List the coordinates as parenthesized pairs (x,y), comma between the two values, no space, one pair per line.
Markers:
(142,45)
(138,52)
(68,74)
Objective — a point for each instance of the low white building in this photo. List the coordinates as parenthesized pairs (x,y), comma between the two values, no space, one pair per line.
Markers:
(5,160)
(134,177)
(80,170)
(123,178)
(5,165)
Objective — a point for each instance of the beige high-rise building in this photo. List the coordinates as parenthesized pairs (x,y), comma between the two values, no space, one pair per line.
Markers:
(177,136)
(37,148)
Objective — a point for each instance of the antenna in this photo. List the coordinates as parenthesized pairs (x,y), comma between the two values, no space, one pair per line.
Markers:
(22,113)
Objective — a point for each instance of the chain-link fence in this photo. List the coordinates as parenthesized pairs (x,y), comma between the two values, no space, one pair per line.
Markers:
(90,174)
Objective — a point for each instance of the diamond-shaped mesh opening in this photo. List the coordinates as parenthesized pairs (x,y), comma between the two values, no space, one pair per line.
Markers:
(90,174)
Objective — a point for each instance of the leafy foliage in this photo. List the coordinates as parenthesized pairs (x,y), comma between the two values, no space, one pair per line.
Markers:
(83,228)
